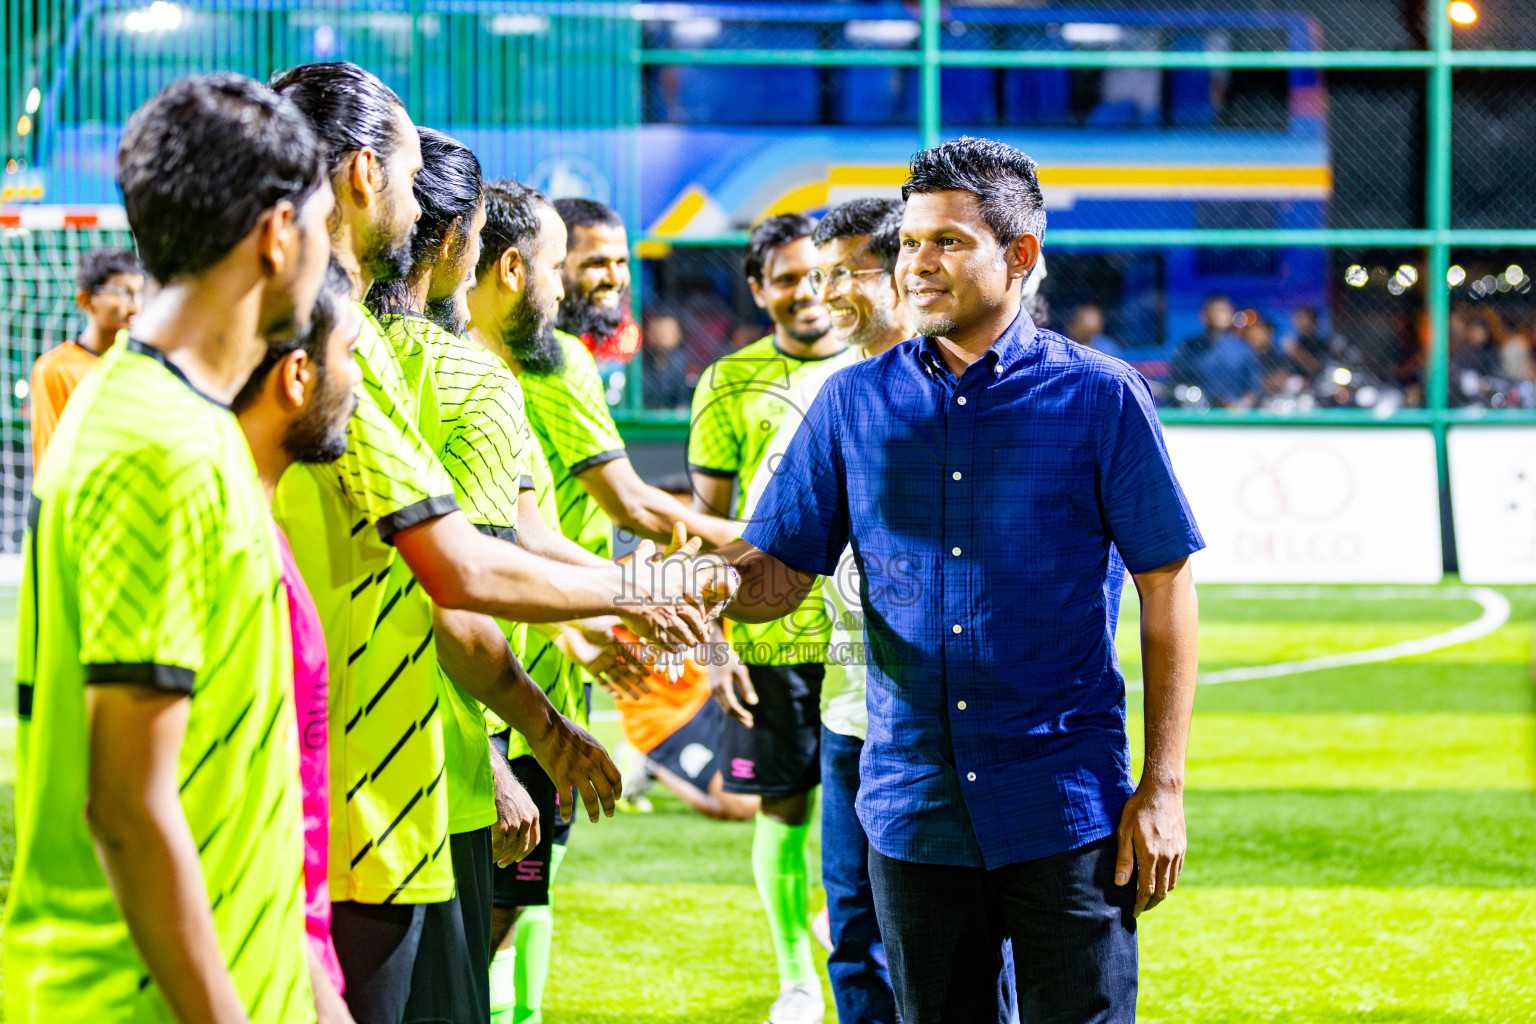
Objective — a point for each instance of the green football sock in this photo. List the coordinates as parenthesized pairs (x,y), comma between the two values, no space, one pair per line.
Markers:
(533,939)
(503,985)
(778,865)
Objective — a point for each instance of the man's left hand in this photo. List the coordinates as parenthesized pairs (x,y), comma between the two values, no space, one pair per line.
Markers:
(517,817)
(1152,842)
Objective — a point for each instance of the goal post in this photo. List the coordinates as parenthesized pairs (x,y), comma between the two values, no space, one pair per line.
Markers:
(40,249)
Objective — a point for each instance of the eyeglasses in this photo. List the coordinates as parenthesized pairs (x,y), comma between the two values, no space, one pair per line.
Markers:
(120,292)
(839,280)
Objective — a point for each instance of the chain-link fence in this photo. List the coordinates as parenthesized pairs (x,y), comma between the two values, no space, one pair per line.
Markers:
(697,308)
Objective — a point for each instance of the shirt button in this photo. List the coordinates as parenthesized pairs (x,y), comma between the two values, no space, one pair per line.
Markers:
(971,776)
(955,628)
(955,475)
(961,705)
(961,400)
(955,552)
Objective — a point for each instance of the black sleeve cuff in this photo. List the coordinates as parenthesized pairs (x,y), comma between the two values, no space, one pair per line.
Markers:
(525,483)
(506,533)
(171,678)
(597,460)
(718,474)
(420,512)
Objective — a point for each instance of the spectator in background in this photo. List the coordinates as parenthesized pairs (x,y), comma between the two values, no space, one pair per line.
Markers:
(1306,346)
(1477,353)
(1474,362)
(1274,367)
(1087,328)
(1515,353)
(1217,361)
(667,383)
(109,288)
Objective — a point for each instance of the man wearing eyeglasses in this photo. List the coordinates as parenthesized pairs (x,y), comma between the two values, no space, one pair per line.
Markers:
(773,749)
(856,247)
(110,286)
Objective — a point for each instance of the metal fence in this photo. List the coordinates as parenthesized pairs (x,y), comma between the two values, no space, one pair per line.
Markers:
(1411,217)
(1430,186)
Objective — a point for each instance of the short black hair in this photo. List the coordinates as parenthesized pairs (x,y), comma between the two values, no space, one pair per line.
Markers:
(98,265)
(202,160)
(584,213)
(350,108)
(1001,177)
(511,220)
(770,234)
(880,219)
(335,292)
(1211,297)
(448,188)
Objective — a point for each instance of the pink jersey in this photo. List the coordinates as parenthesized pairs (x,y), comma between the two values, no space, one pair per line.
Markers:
(310,688)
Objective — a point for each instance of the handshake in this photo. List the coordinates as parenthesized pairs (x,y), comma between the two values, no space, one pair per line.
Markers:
(671,597)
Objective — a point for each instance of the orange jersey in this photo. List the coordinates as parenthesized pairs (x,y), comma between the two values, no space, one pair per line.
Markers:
(667,708)
(54,377)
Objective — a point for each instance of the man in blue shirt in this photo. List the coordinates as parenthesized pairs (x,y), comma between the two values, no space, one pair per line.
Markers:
(996,481)
(1218,362)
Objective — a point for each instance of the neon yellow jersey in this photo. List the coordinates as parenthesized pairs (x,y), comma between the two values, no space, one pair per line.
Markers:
(389,801)
(563,681)
(470,412)
(152,561)
(575,430)
(740,401)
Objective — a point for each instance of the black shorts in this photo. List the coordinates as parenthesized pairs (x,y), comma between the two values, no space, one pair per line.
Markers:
(781,754)
(525,883)
(451,981)
(693,751)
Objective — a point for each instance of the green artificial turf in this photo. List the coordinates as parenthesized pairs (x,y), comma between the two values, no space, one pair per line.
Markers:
(1362,840)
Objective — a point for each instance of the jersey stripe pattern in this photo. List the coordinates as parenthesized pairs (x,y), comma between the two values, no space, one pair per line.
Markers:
(738,406)
(389,799)
(470,412)
(561,679)
(575,429)
(152,561)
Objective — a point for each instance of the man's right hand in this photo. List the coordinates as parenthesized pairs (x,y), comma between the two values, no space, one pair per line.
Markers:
(732,686)
(667,619)
(575,761)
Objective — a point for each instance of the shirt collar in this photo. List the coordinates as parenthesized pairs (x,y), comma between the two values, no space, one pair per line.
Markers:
(1005,353)
(138,347)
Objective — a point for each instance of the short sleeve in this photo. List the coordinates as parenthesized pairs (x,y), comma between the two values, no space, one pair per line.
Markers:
(486,454)
(1143,508)
(802,519)
(145,609)
(714,441)
(573,412)
(388,474)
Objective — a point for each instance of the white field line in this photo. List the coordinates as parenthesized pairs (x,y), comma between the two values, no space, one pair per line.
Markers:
(1495,613)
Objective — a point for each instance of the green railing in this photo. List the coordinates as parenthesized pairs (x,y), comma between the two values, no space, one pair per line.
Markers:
(1437,237)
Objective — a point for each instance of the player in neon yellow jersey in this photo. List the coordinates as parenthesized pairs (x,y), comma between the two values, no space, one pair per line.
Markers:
(469,410)
(511,306)
(596,486)
(159,871)
(771,749)
(380,540)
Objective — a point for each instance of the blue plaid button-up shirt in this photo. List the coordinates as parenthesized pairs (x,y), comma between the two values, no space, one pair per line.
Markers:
(989,515)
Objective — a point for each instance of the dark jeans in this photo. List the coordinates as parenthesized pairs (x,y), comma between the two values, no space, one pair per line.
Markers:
(860,983)
(1074,938)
